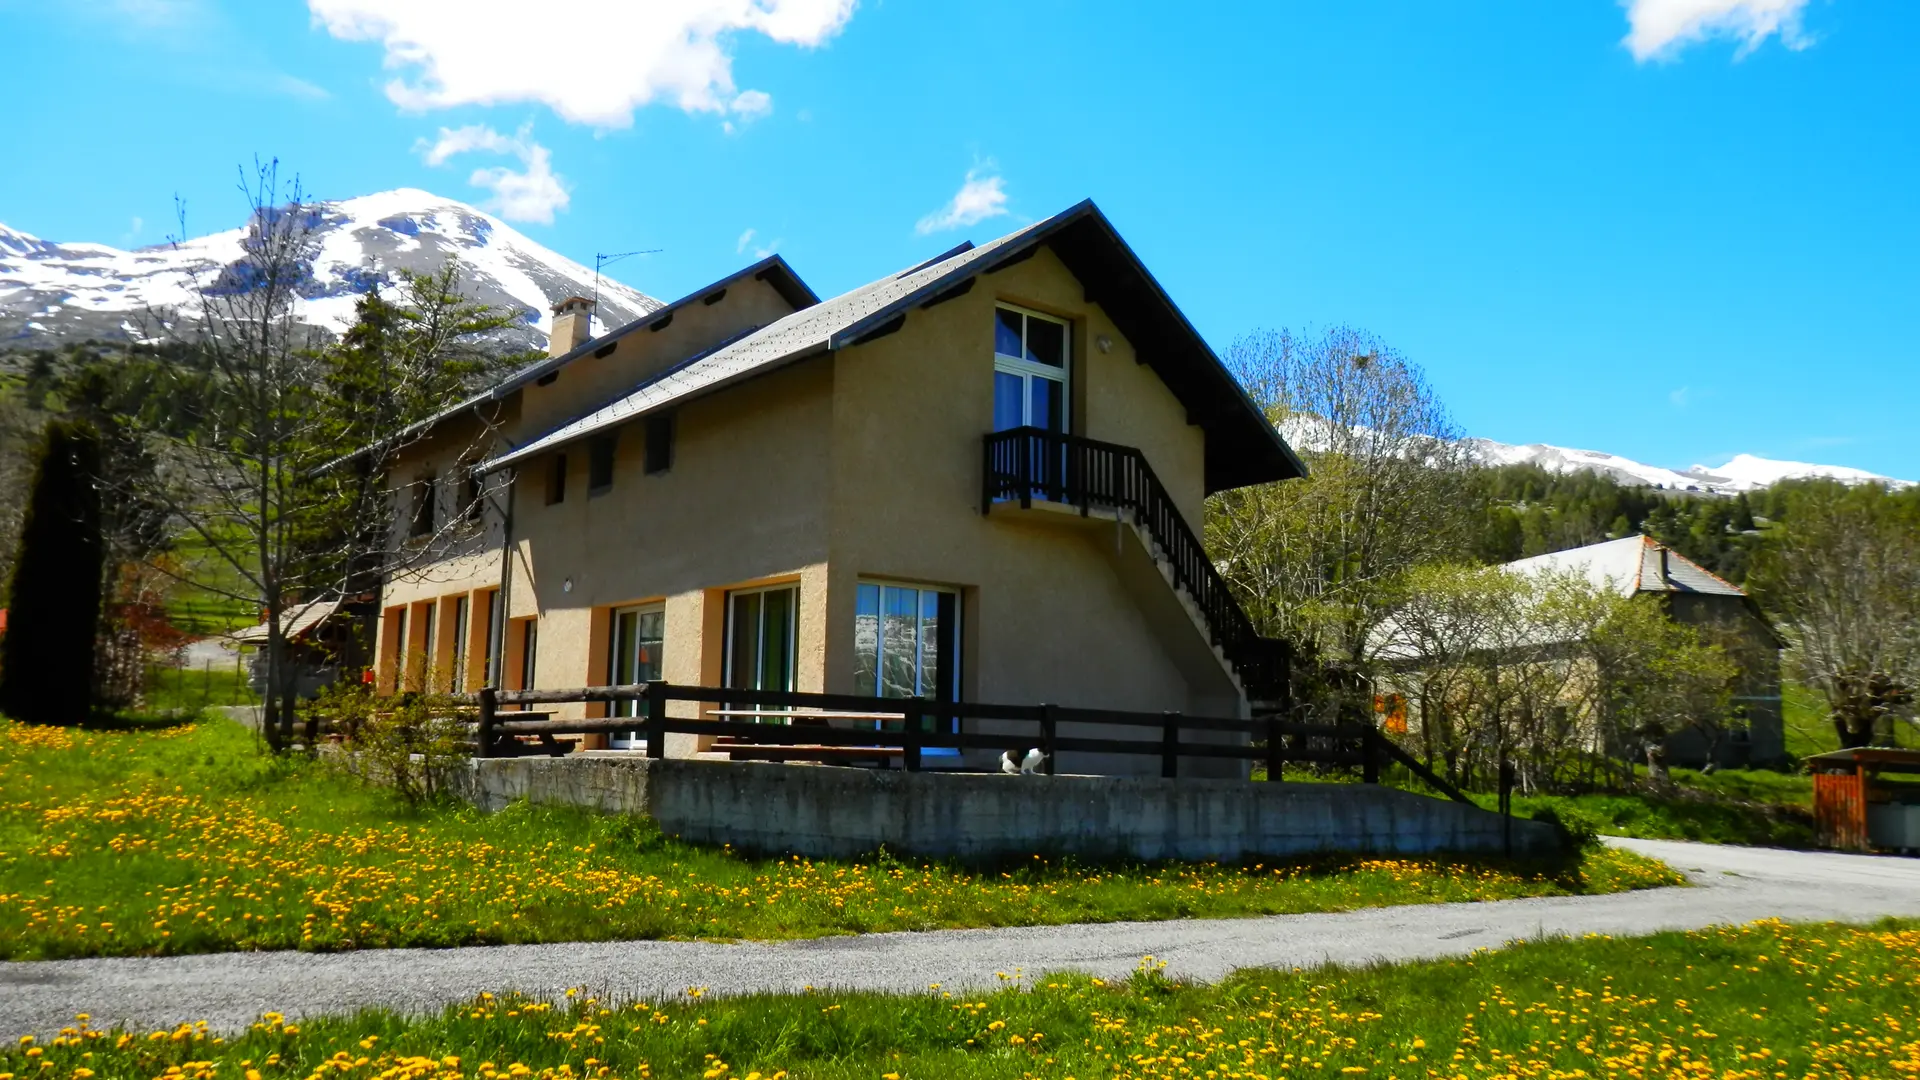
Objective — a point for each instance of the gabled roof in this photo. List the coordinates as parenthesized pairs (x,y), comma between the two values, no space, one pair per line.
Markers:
(773,270)
(1242,447)
(1631,565)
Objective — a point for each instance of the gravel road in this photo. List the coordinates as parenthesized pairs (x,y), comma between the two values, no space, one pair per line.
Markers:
(230,990)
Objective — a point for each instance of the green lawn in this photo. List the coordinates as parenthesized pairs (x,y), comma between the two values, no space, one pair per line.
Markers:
(1757,1002)
(187,839)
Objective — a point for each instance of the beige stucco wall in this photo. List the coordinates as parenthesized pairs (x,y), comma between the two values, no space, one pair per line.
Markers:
(864,464)
(1054,616)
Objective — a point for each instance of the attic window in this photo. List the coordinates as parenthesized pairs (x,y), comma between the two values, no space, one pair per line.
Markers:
(557,480)
(600,464)
(659,443)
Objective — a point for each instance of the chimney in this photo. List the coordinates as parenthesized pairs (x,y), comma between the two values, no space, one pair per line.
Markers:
(1666,570)
(572,325)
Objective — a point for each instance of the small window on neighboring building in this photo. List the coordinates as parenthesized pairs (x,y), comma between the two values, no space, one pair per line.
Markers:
(557,480)
(600,464)
(659,443)
(421,521)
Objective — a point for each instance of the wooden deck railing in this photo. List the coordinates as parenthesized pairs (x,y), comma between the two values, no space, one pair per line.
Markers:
(924,724)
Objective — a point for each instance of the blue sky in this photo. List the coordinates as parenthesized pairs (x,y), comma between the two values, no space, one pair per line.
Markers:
(1670,229)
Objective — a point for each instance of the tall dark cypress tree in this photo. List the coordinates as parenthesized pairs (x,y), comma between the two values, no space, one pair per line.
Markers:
(53,617)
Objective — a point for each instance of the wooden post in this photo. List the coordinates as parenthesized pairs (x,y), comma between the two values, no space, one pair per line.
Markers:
(910,737)
(656,696)
(1276,751)
(1506,805)
(1048,731)
(1369,756)
(489,704)
(1169,744)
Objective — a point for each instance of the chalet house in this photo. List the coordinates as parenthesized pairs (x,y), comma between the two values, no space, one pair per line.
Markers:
(1642,566)
(980,478)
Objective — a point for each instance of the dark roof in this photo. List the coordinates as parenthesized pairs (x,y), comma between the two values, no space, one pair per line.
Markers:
(1242,447)
(773,270)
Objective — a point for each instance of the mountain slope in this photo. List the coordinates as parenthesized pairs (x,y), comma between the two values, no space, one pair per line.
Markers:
(1745,472)
(51,291)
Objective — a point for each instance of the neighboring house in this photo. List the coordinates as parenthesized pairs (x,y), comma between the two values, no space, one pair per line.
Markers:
(1641,566)
(912,488)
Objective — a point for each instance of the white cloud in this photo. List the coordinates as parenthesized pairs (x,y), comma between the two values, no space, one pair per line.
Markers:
(978,199)
(759,251)
(532,195)
(745,239)
(1659,29)
(1680,398)
(592,61)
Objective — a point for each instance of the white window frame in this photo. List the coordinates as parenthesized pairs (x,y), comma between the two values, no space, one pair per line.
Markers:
(630,740)
(793,630)
(1028,369)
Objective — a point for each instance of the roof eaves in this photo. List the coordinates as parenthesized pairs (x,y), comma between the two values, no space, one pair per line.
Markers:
(773,269)
(565,433)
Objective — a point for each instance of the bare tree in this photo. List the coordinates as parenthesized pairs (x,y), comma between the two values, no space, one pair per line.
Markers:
(1843,576)
(1316,560)
(231,481)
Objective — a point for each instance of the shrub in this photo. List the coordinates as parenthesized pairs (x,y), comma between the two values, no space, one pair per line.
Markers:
(408,742)
(1578,828)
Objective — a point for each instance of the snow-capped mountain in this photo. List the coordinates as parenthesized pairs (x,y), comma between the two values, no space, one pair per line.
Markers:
(1744,473)
(51,291)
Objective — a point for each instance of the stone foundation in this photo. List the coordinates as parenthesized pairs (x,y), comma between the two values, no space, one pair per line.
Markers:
(836,812)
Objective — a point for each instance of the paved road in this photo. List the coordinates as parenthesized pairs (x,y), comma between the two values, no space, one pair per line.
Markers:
(1734,885)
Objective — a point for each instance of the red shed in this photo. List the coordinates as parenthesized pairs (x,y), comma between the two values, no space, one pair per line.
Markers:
(1855,809)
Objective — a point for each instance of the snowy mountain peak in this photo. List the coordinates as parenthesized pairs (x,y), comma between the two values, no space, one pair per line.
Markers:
(80,290)
(1745,472)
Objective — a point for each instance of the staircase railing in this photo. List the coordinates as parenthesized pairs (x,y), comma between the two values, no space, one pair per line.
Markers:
(1028,463)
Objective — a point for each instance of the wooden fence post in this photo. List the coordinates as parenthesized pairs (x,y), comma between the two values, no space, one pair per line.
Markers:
(1049,730)
(916,711)
(1276,750)
(1369,756)
(1169,744)
(656,695)
(489,703)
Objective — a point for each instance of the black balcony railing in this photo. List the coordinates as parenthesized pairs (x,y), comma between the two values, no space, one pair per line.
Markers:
(1028,463)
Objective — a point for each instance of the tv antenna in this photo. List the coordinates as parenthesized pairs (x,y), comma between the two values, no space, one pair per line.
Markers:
(601,260)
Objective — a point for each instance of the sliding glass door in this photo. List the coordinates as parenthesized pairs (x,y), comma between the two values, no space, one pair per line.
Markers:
(762,626)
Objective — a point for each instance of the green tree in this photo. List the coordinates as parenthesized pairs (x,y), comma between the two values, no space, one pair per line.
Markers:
(1315,560)
(53,623)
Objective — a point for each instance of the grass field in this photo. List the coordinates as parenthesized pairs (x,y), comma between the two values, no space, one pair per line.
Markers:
(1758,1002)
(186,839)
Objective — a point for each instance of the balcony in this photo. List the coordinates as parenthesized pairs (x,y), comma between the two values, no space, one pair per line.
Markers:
(1028,464)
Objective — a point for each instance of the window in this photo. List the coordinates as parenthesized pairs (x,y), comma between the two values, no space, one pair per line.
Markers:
(421,517)
(600,464)
(489,676)
(470,492)
(397,626)
(427,676)
(457,679)
(659,443)
(636,643)
(1029,371)
(906,642)
(529,652)
(557,480)
(760,638)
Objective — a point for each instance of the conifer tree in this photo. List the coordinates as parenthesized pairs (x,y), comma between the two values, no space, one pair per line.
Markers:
(47,656)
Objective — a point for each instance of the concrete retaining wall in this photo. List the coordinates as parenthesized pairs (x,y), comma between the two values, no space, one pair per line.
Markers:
(827,811)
